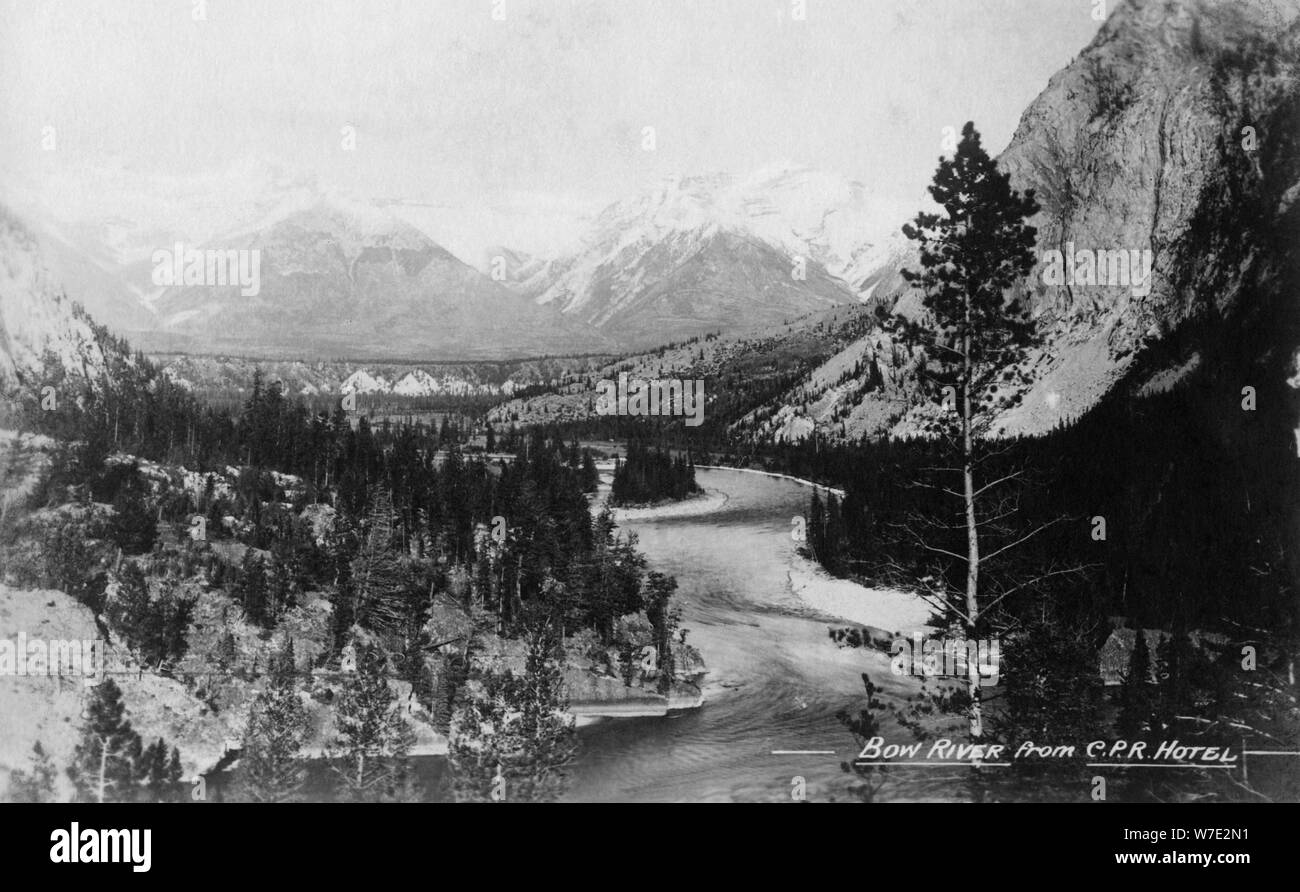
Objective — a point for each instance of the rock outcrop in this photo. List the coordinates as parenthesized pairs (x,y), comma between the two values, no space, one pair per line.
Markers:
(1175,138)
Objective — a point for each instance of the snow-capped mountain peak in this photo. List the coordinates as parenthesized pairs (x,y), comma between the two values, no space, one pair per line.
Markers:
(805,212)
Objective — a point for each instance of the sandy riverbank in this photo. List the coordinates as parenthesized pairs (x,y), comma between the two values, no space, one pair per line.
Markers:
(884,609)
(707,502)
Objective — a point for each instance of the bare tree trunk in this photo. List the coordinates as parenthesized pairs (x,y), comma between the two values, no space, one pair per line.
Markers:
(972,531)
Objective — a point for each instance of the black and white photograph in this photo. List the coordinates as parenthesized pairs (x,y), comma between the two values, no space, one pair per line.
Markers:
(652,401)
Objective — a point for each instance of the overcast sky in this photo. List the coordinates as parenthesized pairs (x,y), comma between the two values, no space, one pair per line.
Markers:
(450,103)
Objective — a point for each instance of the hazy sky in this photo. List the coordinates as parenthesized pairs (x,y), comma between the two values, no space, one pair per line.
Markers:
(451,103)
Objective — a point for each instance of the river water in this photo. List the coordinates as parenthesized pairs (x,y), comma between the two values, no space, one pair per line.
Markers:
(775,678)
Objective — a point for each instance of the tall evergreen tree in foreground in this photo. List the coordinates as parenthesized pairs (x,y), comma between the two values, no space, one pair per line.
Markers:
(973,335)
(864,726)
(104,763)
(1049,690)
(373,738)
(515,741)
(159,775)
(276,731)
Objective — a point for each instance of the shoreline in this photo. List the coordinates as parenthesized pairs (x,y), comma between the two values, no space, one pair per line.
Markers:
(705,502)
(887,610)
(775,475)
(608,465)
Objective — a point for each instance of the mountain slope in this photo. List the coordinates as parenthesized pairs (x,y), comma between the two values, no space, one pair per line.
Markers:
(1138,145)
(37,320)
(98,226)
(691,282)
(714,253)
(697,254)
(342,279)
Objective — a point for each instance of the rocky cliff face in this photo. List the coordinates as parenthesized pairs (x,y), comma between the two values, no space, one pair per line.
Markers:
(36,320)
(1174,138)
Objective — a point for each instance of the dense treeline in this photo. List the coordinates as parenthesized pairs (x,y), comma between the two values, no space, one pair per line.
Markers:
(523,529)
(133,407)
(1172,515)
(424,554)
(651,475)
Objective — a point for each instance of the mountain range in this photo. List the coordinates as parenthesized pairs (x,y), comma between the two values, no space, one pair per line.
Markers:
(716,253)
(1175,134)
(343,276)
(350,280)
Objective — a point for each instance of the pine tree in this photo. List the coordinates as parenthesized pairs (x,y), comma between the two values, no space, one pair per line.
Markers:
(215,521)
(133,528)
(103,764)
(342,548)
(373,739)
(816,531)
(36,784)
(1135,698)
(864,726)
(1175,691)
(974,334)
(343,614)
(517,740)
(452,673)
(164,628)
(835,538)
(663,618)
(227,654)
(379,580)
(251,589)
(279,589)
(1049,689)
(175,773)
(590,473)
(152,773)
(129,611)
(276,731)
(67,563)
(284,666)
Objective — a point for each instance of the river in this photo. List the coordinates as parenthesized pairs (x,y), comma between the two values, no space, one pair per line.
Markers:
(775,678)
